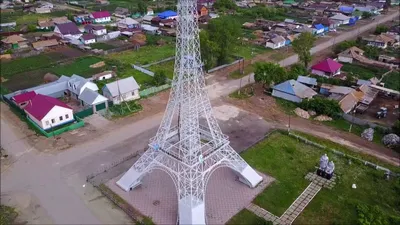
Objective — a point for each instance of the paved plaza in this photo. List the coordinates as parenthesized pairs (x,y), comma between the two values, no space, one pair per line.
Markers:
(157,197)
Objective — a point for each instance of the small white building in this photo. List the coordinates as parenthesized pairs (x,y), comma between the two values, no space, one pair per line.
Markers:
(122,90)
(77,84)
(276,42)
(96,30)
(101,17)
(88,39)
(103,75)
(48,112)
(67,30)
(341,19)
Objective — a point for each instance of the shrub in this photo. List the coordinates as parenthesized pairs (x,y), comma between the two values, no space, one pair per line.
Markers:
(396,127)
(159,78)
(370,215)
(324,106)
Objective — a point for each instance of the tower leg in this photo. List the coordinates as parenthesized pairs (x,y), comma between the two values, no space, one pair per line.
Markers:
(191,211)
(132,178)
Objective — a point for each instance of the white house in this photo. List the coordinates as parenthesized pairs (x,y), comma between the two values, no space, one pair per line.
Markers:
(101,17)
(96,30)
(42,10)
(88,39)
(48,112)
(77,84)
(128,23)
(103,75)
(67,30)
(341,19)
(350,54)
(122,90)
(150,12)
(276,42)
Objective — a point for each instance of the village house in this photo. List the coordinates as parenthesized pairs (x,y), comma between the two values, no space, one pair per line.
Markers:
(379,41)
(40,45)
(42,10)
(348,55)
(326,68)
(319,29)
(45,24)
(77,84)
(68,30)
(276,42)
(202,10)
(15,42)
(48,112)
(90,98)
(168,15)
(122,90)
(103,75)
(60,20)
(341,19)
(83,19)
(331,24)
(88,39)
(350,101)
(96,30)
(308,81)
(121,12)
(128,23)
(147,19)
(293,91)
(101,17)
(149,12)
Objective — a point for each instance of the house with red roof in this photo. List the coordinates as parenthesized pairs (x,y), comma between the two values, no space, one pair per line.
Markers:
(326,68)
(101,17)
(48,112)
(23,99)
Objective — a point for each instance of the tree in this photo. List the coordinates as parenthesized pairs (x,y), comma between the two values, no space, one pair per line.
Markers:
(32,28)
(208,50)
(159,78)
(344,45)
(224,5)
(396,130)
(269,73)
(142,7)
(366,15)
(323,106)
(224,32)
(297,70)
(302,46)
(381,29)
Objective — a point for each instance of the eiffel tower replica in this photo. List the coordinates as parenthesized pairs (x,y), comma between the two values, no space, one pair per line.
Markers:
(189,144)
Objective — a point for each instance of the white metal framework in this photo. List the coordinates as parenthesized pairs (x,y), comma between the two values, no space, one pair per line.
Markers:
(189,144)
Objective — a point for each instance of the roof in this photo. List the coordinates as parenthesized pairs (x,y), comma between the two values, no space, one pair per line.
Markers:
(41,105)
(45,23)
(97,75)
(128,21)
(307,80)
(24,97)
(351,52)
(13,39)
(340,17)
(101,14)
(88,37)
(60,20)
(91,97)
(363,82)
(341,90)
(46,43)
(148,18)
(68,28)
(278,39)
(293,87)
(350,100)
(122,86)
(327,65)
(76,82)
(166,14)
(319,26)
(346,9)
(384,38)
(120,10)
(91,27)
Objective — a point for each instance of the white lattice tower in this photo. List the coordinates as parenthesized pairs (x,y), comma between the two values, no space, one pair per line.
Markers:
(189,144)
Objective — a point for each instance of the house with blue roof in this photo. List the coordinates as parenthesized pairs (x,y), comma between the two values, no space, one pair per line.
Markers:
(347,10)
(319,29)
(293,91)
(168,15)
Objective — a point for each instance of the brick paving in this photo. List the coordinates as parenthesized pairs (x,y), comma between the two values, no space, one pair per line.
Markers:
(317,183)
(225,196)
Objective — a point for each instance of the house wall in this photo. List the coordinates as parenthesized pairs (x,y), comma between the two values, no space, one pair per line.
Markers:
(318,72)
(286,96)
(55,114)
(88,42)
(129,96)
(100,32)
(345,59)
(377,44)
(274,46)
(104,77)
(102,20)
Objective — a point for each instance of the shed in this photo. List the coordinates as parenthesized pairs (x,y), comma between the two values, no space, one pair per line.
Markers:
(122,90)
(309,81)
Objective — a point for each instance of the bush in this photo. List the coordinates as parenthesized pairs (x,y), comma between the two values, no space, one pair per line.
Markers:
(381,29)
(396,128)
(371,215)
(323,106)
(159,78)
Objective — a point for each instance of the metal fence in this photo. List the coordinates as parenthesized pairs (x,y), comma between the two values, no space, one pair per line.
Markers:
(224,66)
(158,62)
(143,70)
(55,131)
(362,122)
(152,90)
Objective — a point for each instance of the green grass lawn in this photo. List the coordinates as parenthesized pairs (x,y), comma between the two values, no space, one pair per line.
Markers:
(392,80)
(7,215)
(80,66)
(168,67)
(29,18)
(363,72)
(246,50)
(146,54)
(246,217)
(101,45)
(289,160)
(10,68)
(125,109)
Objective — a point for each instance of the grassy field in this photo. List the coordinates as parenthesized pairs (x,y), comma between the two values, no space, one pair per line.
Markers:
(29,18)
(80,66)
(363,72)
(146,54)
(101,45)
(246,50)
(168,67)
(246,217)
(289,160)
(392,80)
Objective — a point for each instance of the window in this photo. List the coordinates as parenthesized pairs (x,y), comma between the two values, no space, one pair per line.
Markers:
(66,116)
(61,118)
(47,122)
(53,120)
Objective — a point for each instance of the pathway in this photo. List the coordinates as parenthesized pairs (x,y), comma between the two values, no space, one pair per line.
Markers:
(288,217)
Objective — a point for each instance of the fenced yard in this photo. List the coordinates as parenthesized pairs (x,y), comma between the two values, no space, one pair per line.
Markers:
(145,55)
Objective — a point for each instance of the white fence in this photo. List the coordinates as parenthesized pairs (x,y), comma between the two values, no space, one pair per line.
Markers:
(143,70)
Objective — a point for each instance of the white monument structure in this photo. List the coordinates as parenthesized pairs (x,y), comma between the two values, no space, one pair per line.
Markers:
(189,144)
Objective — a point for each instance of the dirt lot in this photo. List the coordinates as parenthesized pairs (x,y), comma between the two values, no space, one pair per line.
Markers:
(393,112)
